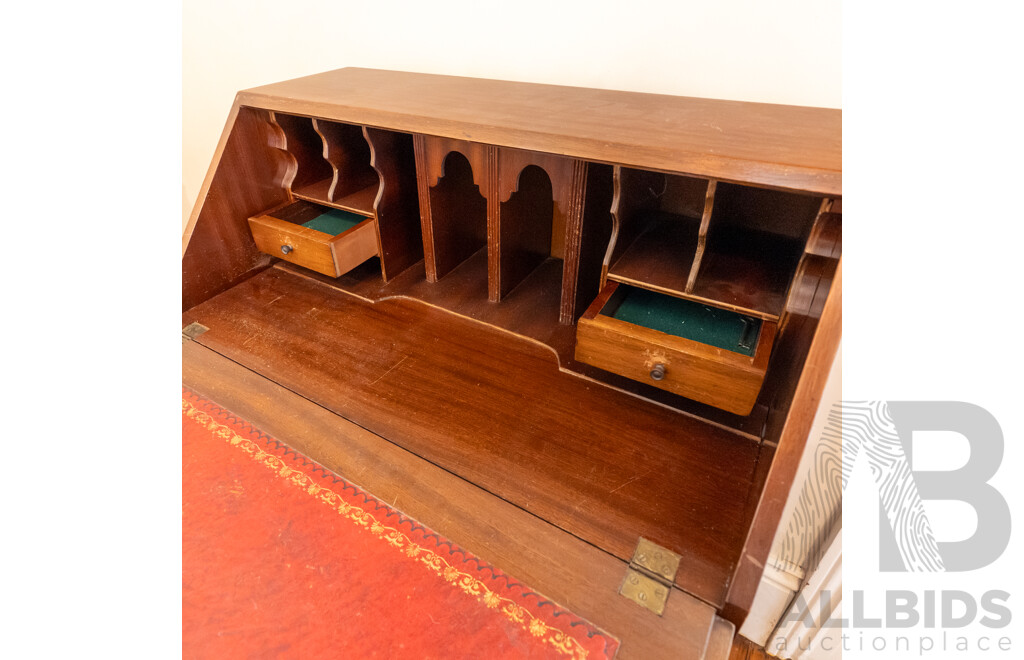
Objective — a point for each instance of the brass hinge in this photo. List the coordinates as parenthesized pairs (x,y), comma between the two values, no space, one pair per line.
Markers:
(192,330)
(650,576)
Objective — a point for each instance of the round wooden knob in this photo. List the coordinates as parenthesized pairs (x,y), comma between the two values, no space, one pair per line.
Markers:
(285,249)
(658,372)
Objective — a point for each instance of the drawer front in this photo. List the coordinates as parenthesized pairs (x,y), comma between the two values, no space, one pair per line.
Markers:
(302,246)
(684,371)
(330,255)
(715,376)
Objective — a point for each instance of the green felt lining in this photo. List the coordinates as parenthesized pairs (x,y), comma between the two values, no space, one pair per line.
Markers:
(690,320)
(334,222)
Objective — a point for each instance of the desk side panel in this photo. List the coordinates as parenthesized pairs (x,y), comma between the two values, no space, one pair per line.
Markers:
(800,402)
(245,179)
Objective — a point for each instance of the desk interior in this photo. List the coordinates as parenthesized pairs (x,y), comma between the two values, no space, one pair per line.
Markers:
(498,411)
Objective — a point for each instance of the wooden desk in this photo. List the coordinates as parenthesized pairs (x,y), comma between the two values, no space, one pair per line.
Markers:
(442,262)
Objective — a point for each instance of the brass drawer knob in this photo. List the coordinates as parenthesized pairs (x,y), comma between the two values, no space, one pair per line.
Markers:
(285,249)
(658,372)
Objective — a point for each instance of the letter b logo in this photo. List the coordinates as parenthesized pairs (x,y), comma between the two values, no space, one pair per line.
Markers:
(884,432)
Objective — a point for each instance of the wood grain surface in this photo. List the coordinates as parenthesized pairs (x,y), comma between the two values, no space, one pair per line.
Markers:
(426,355)
(498,412)
(773,145)
(800,404)
(457,200)
(744,649)
(531,312)
(220,248)
(564,568)
(308,247)
(395,202)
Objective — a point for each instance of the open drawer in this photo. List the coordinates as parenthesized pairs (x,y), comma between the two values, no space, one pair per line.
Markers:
(704,353)
(326,240)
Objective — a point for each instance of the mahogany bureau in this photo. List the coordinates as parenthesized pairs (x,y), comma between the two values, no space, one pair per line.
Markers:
(612,313)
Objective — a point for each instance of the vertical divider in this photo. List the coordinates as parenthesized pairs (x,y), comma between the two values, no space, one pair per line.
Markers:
(813,276)
(823,246)
(423,188)
(633,191)
(305,145)
(535,205)
(494,245)
(278,139)
(826,236)
(347,150)
(533,195)
(328,157)
(573,236)
(705,220)
(395,207)
(596,228)
(453,180)
(616,211)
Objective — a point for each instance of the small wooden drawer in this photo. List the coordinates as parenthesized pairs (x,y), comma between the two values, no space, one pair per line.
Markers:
(326,240)
(707,354)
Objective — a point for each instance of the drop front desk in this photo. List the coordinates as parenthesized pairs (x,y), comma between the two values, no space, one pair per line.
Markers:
(606,315)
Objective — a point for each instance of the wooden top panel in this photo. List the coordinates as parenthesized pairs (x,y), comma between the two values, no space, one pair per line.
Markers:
(780,146)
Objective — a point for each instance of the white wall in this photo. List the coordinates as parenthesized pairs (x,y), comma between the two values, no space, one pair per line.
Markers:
(786,51)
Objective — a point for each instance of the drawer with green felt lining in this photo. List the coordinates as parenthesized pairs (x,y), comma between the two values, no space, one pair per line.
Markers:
(702,352)
(326,240)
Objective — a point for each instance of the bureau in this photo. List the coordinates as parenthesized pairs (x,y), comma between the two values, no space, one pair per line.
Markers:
(612,311)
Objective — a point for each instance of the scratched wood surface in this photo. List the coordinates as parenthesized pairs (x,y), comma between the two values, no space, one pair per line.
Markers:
(776,147)
(530,311)
(498,412)
(557,564)
(744,649)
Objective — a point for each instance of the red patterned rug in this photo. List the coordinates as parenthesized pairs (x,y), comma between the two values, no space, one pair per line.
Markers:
(283,558)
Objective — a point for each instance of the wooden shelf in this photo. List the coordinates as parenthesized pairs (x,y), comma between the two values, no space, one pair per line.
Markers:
(747,271)
(661,257)
(361,201)
(742,271)
(530,310)
(331,163)
(314,192)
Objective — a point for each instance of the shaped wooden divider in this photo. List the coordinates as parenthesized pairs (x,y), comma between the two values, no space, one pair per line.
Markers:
(297,137)
(454,179)
(395,204)
(354,183)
